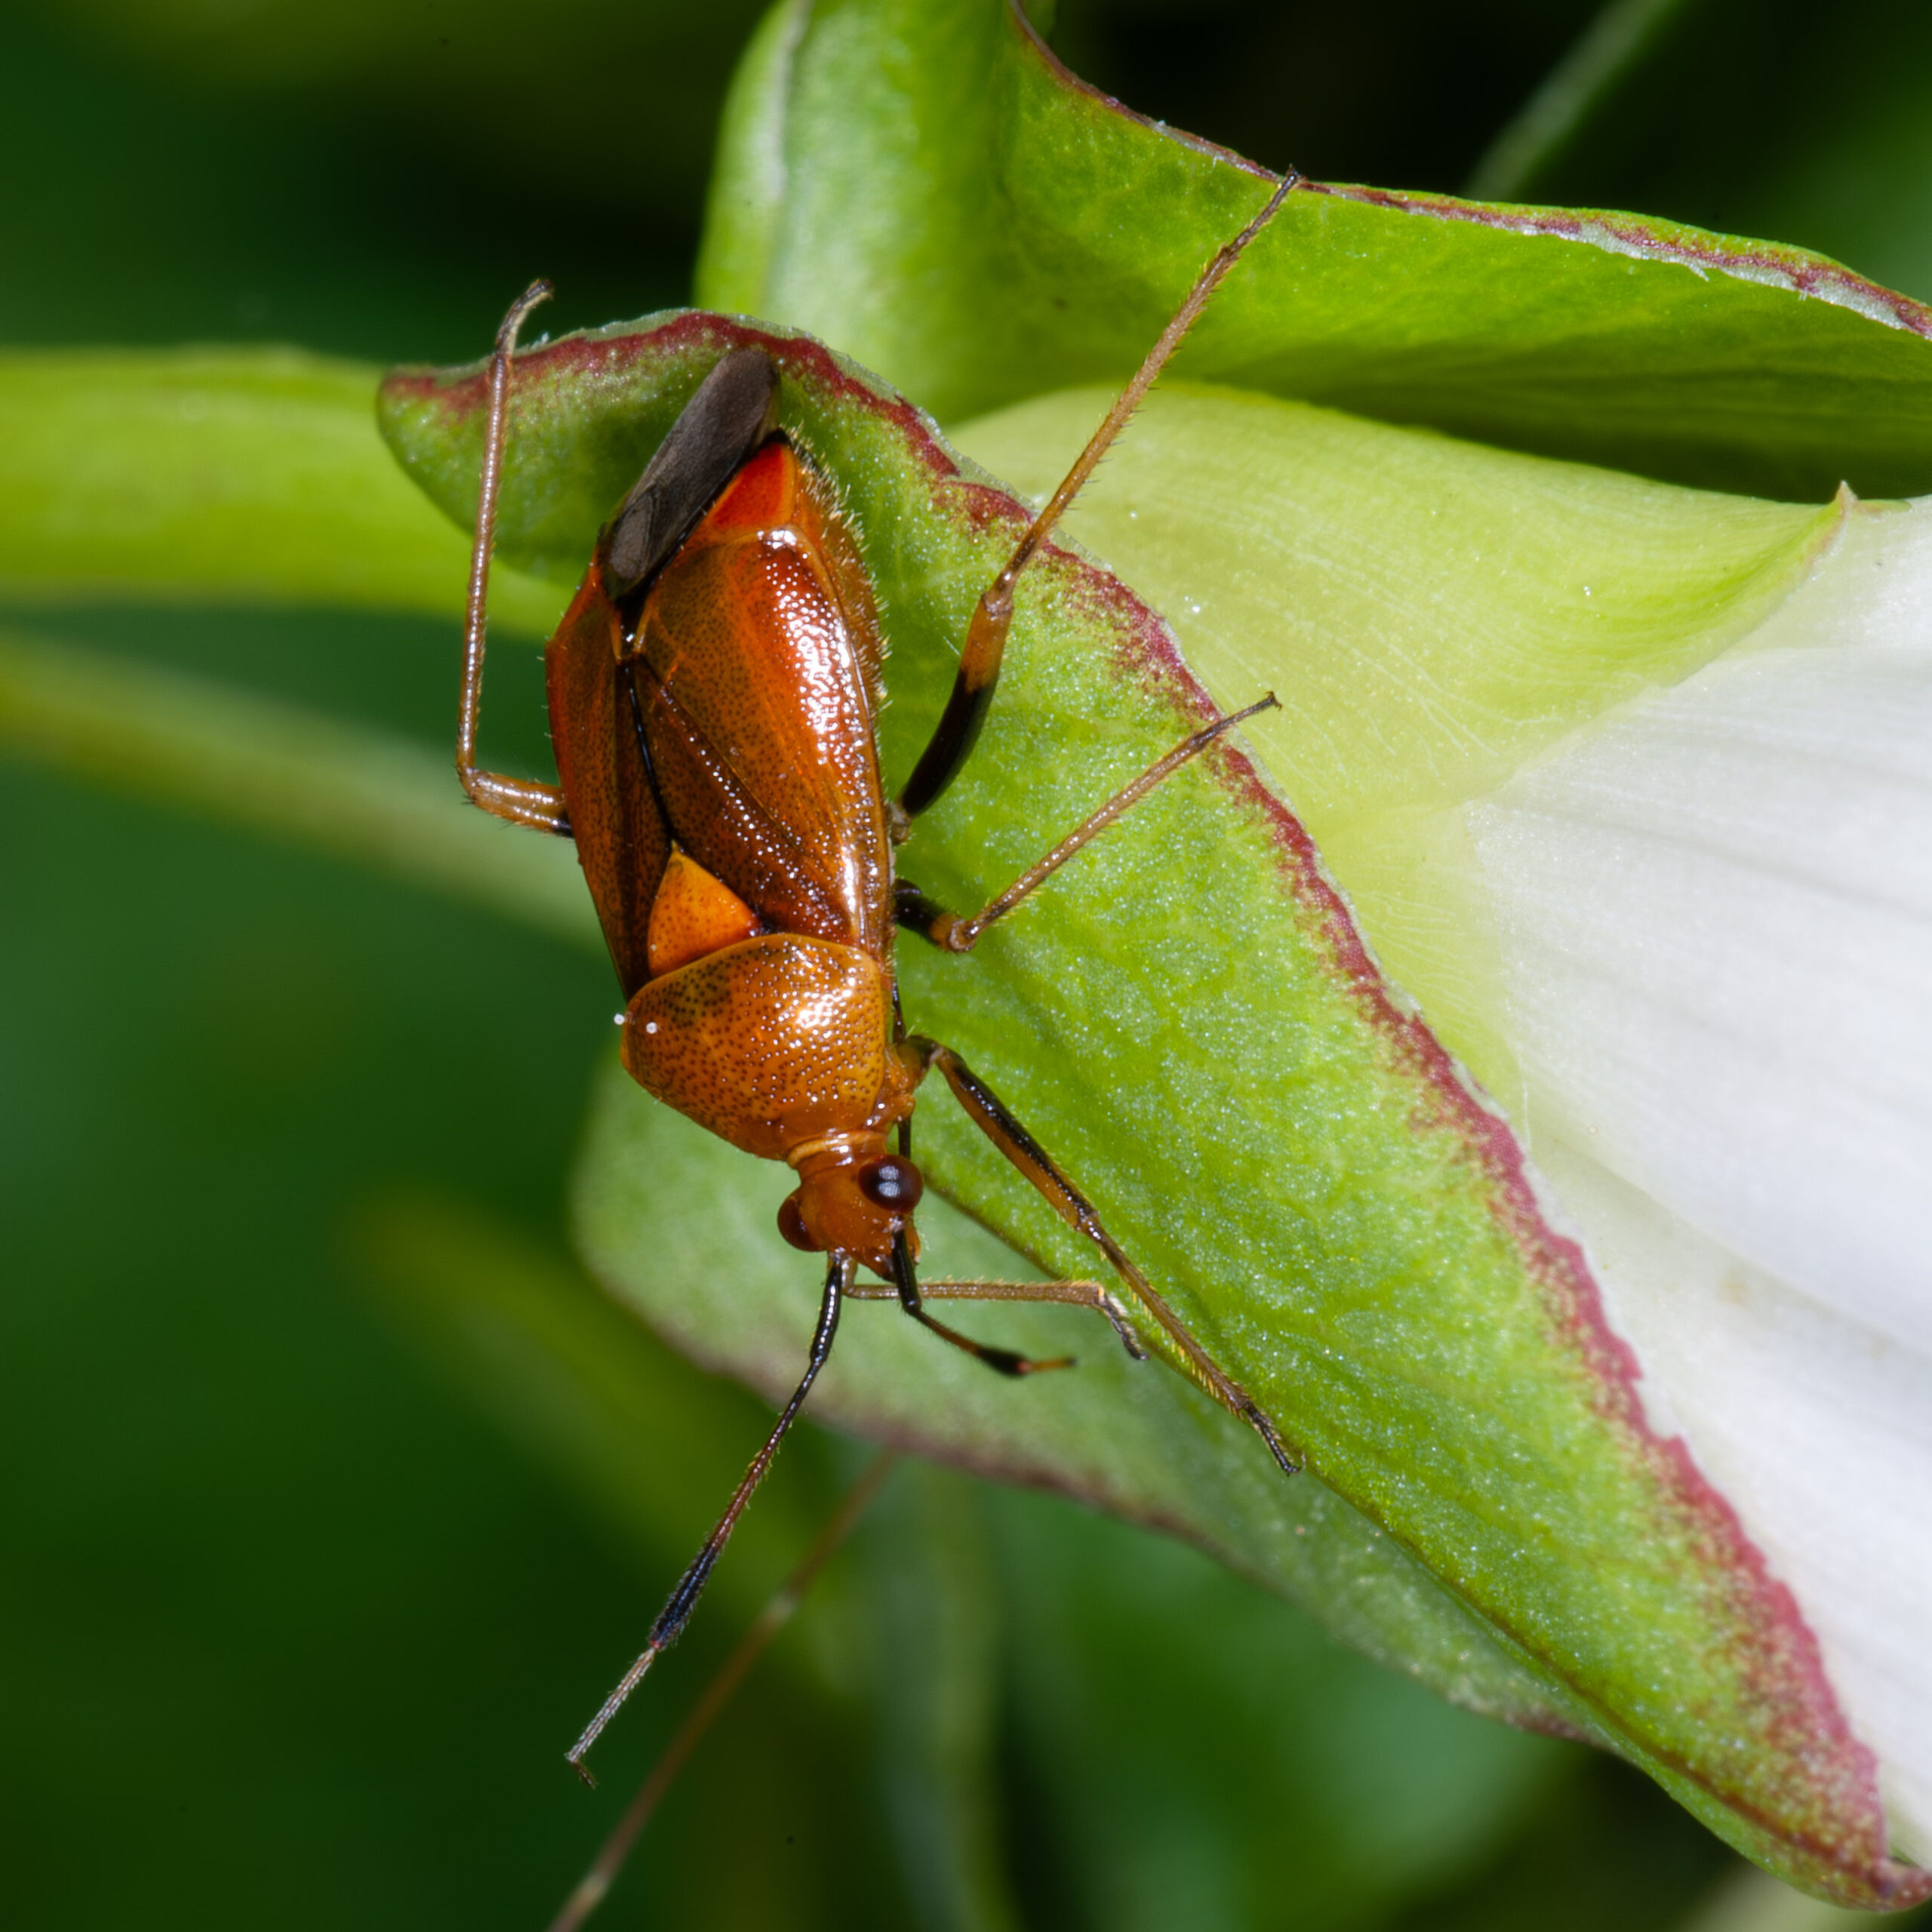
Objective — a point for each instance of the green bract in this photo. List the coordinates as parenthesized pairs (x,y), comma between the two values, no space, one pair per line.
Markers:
(1189,1019)
(203,474)
(925,185)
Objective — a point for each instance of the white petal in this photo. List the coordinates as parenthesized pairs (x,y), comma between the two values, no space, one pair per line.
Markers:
(1818,1431)
(1714,916)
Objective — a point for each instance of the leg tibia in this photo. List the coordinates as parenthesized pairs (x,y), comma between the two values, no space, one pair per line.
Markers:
(907,1287)
(515,799)
(918,913)
(1073,1294)
(522,801)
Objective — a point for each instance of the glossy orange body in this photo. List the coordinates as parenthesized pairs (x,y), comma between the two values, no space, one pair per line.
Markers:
(721,774)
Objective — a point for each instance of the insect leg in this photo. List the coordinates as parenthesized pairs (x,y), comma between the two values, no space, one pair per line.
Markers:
(972,692)
(522,801)
(1073,1294)
(984,1109)
(1001,1361)
(591,1889)
(932,921)
(676,1613)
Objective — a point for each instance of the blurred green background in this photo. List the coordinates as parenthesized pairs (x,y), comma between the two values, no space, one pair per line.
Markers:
(332,1498)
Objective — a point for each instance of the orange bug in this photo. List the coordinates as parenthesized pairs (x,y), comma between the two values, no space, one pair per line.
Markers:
(712,689)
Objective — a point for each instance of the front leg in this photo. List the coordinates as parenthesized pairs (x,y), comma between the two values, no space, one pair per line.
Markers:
(1067,1295)
(1002,1361)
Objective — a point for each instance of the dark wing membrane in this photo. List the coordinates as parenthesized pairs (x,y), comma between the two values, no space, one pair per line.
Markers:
(728,417)
(762,750)
(622,842)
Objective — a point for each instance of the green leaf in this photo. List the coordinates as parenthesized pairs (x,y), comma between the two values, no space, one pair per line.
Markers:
(232,475)
(960,214)
(1189,1019)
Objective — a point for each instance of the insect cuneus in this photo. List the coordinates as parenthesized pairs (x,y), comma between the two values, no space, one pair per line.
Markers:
(714,689)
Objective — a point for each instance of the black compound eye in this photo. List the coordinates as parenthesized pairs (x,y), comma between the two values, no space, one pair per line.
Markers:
(889,1182)
(792,1225)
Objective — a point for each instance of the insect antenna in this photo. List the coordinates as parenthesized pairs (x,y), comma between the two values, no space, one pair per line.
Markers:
(683,1600)
(591,1888)
(1130,398)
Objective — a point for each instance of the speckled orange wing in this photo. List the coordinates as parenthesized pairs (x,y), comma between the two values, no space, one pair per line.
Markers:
(779,1041)
(755,657)
(622,841)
